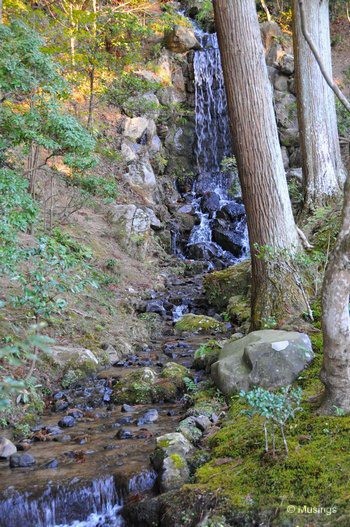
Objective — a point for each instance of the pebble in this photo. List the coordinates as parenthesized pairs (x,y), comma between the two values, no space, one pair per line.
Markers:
(123,433)
(67,421)
(53,463)
(127,408)
(149,417)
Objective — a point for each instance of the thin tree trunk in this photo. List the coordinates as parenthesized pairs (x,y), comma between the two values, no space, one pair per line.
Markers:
(336,320)
(32,167)
(72,38)
(92,95)
(0,11)
(275,294)
(323,171)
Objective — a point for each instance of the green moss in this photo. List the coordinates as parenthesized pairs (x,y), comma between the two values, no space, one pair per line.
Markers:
(175,373)
(315,473)
(238,309)
(163,443)
(199,323)
(178,461)
(220,286)
(206,355)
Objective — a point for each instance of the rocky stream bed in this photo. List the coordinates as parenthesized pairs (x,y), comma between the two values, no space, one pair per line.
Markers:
(91,452)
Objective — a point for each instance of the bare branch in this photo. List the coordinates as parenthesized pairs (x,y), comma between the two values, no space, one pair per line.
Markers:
(318,59)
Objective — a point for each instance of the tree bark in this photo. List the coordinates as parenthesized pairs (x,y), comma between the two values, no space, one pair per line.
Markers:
(335,372)
(275,292)
(323,171)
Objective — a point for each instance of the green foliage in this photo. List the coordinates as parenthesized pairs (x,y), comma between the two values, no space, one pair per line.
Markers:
(101,187)
(24,67)
(276,408)
(17,212)
(129,85)
(343,118)
(15,355)
(191,386)
(51,272)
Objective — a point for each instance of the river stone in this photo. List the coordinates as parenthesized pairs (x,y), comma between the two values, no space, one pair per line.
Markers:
(148,417)
(67,421)
(127,408)
(180,39)
(169,459)
(175,473)
(267,358)
(188,427)
(22,460)
(7,448)
(63,354)
(123,433)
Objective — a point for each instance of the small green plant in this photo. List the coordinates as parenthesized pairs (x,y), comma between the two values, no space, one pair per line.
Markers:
(275,408)
(229,164)
(191,386)
(17,354)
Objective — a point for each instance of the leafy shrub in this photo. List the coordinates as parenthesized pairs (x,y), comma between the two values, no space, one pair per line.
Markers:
(129,85)
(275,408)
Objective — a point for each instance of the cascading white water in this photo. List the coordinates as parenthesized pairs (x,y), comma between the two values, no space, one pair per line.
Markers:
(93,504)
(212,237)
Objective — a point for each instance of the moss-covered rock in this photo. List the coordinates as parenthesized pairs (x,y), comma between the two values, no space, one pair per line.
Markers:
(199,323)
(238,309)
(175,373)
(146,386)
(206,355)
(220,286)
(188,428)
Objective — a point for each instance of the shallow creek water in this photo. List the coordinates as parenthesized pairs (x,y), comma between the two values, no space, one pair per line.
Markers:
(84,474)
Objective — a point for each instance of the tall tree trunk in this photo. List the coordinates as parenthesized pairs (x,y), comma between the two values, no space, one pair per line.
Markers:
(336,320)
(91,96)
(275,292)
(0,11)
(323,171)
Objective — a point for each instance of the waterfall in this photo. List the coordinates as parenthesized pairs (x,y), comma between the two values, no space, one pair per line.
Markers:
(220,235)
(73,504)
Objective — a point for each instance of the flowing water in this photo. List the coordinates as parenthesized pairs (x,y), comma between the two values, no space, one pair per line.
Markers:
(220,235)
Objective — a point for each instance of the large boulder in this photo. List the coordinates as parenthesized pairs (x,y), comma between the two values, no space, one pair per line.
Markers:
(180,39)
(139,129)
(266,358)
(7,448)
(130,219)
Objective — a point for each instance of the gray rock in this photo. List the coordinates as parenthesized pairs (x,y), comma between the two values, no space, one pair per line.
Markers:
(145,105)
(130,219)
(281,83)
(67,421)
(113,355)
(63,354)
(141,175)
(123,433)
(202,422)
(151,416)
(169,460)
(170,95)
(22,460)
(155,223)
(189,429)
(129,150)
(53,463)
(135,128)
(180,40)
(286,64)
(7,448)
(267,358)
(175,473)
(127,408)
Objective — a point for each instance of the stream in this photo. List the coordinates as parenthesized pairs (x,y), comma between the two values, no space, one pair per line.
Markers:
(84,474)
